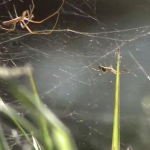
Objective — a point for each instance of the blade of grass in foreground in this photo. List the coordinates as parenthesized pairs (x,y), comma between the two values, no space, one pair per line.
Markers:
(15,122)
(116,127)
(42,121)
(61,135)
(46,120)
(3,142)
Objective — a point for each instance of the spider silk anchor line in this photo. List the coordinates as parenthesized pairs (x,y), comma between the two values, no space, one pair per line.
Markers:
(140,66)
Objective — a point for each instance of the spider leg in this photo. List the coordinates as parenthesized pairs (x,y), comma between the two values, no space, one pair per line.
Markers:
(9,29)
(12,27)
(56,12)
(94,68)
(30,15)
(32,9)
(37,32)
(125,72)
(15,11)
(113,71)
(122,72)
(24,16)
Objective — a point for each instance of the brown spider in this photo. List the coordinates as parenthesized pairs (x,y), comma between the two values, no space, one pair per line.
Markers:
(27,17)
(110,68)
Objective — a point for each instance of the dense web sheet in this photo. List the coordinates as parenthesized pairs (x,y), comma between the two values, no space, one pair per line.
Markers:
(88,32)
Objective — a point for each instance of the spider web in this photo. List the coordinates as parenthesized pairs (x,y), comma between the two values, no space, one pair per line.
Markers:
(87,32)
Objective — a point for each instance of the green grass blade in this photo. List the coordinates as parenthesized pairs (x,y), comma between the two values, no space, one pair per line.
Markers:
(48,125)
(37,146)
(60,132)
(3,142)
(36,110)
(42,122)
(63,139)
(116,125)
(14,121)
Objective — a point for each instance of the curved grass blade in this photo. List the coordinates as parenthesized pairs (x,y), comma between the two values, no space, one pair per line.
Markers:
(3,142)
(46,120)
(116,127)
(42,122)
(15,122)
(53,123)
(19,121)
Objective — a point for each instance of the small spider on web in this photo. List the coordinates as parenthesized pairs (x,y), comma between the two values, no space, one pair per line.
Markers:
(110,68)
(26,18)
